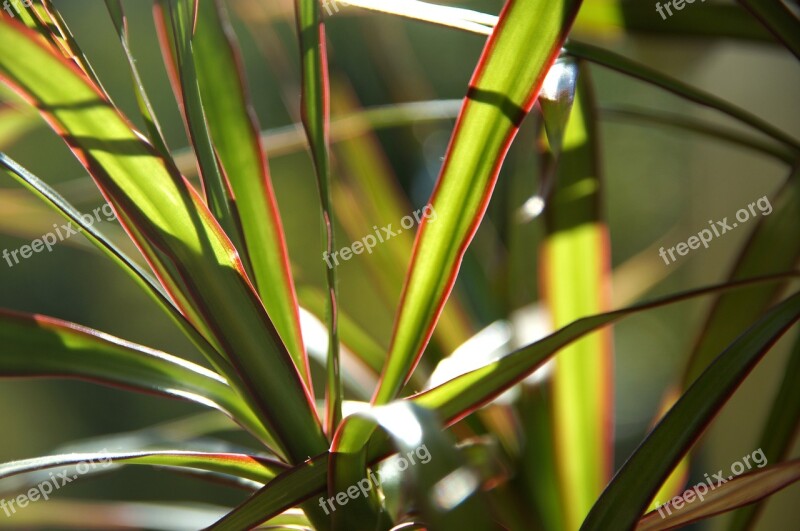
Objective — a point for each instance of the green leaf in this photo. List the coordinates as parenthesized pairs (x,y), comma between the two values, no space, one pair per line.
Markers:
(779,19)
(315,106)
(632,68)
(38,346)
(280,494)
(142,278)
(626,497)
(778,432)
(235,134)
(462,395)
(451,401)
(254,468)
(502,91)
(368,197)
(740,491)
(177,18)
(576,282)
(777,236)
(179,237)
(694,125)
(443,486)
(145,108)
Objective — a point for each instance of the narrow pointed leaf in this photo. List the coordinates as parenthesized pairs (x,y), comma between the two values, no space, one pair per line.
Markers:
(779,20)
(315,102)
(37,346)
(254,468)
(740,491)
(145,108)
(190,254)
(452,401)
(502,91)
(632,68)
(462,395)
(576,267)
(234,131)
(778,432)
(626,497)
(178,20)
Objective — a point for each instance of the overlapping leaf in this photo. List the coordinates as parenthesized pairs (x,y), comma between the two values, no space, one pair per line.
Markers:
(37,346)
(234,132)
(191,256)
(503,88)
(626,497)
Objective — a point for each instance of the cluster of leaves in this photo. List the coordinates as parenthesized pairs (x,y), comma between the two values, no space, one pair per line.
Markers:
(218,268)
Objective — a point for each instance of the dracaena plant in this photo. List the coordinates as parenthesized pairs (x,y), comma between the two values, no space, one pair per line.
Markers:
(214,259)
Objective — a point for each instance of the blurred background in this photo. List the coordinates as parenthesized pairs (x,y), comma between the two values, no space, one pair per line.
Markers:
(662,185)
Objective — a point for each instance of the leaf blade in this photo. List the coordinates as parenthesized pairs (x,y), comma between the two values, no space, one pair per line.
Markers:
(643,472)
(501,93)
(192,257)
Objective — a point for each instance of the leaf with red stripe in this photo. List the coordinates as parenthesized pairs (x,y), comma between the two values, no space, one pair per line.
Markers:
(235,134)
(315,107)
(191,256)
(504,87)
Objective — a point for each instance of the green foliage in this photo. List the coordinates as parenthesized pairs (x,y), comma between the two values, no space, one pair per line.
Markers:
(213,256)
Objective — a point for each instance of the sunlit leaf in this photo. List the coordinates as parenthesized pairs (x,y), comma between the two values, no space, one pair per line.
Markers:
(503,88)
(452,401)
(258,469)
(234,131)
(191,256)
(37,346)
(576,267)
(315,107)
